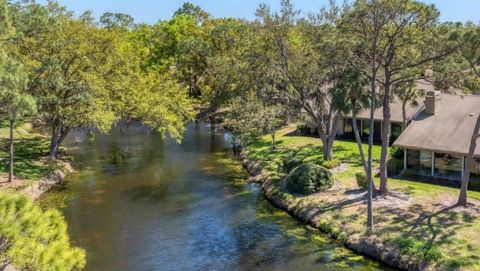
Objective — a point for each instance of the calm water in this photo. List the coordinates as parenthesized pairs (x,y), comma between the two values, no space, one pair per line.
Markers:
(139,203)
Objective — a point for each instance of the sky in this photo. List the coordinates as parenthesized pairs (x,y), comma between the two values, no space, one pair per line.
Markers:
(150,11)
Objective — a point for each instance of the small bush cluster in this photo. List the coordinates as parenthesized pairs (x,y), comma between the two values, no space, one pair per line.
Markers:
(408,173)
(289,163)
(394,166)
(309,178)
(396,153)
(362,181)
(420,249)
(331,163)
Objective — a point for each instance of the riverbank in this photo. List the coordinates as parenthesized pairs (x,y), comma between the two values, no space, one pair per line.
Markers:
(418,226)
(34,172)
(54,178)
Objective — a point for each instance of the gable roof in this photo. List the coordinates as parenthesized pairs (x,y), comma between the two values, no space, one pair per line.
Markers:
(449,130)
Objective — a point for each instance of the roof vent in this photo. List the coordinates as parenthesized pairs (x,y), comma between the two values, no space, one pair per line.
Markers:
(431,101)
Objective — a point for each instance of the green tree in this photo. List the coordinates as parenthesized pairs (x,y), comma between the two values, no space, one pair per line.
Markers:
(179,44)
(243,119)
(364,32)
(407,39)
(15,103)
(299,60)
(139,91)
(88,77)
(393,42)
(32,239)
(72,86)
(189,9)
(351,96)
(116,20)
(230,69)
(250,116)
(408,93)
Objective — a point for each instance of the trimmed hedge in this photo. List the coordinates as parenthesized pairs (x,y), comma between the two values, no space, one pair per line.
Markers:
(308,179)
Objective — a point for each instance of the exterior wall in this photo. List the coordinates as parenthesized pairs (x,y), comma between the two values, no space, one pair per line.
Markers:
(475,170)
(363,129)
(340,124)
(440,165)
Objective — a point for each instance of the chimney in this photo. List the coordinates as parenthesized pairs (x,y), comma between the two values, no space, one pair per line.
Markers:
(431,101)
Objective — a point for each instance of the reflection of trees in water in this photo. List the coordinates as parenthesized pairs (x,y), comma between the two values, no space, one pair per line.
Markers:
(291,244)
(129,147)
(198,195)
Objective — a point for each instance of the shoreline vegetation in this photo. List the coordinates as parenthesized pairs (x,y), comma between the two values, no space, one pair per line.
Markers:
(420,227)
(69,71)
(35,173)
(36,237)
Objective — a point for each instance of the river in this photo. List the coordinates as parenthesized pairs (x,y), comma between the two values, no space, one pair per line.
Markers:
(139,202)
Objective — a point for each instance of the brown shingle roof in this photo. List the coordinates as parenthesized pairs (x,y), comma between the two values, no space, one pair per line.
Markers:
(395,110)
(427,85)
(396,105)
(449,130)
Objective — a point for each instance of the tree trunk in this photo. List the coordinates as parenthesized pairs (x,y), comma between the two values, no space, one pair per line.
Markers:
(404,115)
(58,135)
(462,199)
(54,142)
(327,152)
(10,152)
(370,187)
(359,141)
(327,145)
(274,142)
(385,135)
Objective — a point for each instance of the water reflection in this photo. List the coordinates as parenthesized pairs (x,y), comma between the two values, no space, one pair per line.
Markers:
(139,203)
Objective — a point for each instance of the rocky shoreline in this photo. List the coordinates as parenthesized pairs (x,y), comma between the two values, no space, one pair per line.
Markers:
(53,179)
(371,246)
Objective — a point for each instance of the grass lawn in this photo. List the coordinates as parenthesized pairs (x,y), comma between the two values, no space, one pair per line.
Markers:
(30,151)
(418,217)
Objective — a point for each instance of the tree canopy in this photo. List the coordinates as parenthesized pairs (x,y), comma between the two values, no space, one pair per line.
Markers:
(32,239)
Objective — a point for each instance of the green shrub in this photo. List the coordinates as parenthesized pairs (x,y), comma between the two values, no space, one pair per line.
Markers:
(419,249)
(362,181)
(396,153)
(303,129)
(289,163)
(331,163)
(408,172)
(394,166)
(460,262)
(33,239)
(309,178)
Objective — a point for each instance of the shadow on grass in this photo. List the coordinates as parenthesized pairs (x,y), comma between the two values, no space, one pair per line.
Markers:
(29,157)
(434,229)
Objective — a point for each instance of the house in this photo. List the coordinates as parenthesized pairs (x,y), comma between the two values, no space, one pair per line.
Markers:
(438,133)
(438,138)
(412,110)
(345,128)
